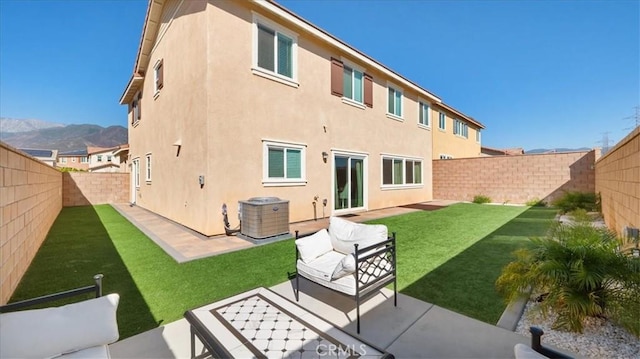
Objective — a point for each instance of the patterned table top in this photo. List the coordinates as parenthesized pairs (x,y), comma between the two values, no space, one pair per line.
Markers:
(262,324)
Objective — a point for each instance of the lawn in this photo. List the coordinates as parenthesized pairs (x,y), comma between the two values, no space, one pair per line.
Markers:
(449,257)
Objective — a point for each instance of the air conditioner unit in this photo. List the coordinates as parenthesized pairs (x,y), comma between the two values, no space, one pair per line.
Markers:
(264,217)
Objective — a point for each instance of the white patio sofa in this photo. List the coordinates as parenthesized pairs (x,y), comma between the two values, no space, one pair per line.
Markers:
(351,258)
(78,330)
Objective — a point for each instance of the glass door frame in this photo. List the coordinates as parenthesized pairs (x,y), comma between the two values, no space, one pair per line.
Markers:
(365,181)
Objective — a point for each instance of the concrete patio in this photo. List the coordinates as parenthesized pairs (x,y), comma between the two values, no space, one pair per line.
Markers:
(414,329)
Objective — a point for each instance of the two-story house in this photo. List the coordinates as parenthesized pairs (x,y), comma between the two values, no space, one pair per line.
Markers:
(106,159)
(78,160)
(245,99)
(455,135)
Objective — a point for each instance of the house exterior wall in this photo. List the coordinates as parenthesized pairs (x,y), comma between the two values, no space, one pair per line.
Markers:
(445,142)
(514,179)
(618,183)
(221,112)
(73,162)
(104,162)
(30,200)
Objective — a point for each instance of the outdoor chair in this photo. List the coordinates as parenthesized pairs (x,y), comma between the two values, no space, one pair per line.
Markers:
(350,258)
(77,330)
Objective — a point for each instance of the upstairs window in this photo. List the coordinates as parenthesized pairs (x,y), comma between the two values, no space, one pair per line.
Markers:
(478,136)
(394,102)
(283,163)
(136,108)
(63,159)
(108,158)
(99,158)
(158,76)
(275,50)
(351,83)
(442,121)
(460,128)
(424,114)
(84,159)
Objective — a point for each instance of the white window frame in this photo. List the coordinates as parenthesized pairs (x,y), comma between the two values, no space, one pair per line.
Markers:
(135,108)
(404,159)
(109,158)
(478,136)
(353,67)
(274,75)
(63,160)
(426,104)
(460,128)
(84,159)
(442,120)
(269,181)
(136,170)
(98,158)
(156,89)
(398,89)
(147,167)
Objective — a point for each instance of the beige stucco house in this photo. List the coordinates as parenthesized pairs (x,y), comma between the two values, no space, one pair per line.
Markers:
(237,99)
(78,160)
(106,159)
(455,135)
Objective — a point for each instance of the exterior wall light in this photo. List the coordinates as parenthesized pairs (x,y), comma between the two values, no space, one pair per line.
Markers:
(325,155)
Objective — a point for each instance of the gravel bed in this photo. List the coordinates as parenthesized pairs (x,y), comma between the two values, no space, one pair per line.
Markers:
(600,339)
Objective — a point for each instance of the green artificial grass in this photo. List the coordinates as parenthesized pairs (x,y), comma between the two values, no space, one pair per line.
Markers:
(449,257)
(453,256)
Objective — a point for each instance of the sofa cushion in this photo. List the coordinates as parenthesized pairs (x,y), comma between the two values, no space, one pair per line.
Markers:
(51,332)
(98,352)
(313,246)
(345,267)
(344,234)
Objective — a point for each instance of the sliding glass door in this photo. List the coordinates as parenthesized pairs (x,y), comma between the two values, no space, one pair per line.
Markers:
(349,188)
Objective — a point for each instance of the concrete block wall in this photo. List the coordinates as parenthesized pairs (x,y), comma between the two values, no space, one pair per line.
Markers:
(514,179)
(618,182)
(30,201)
(89,188)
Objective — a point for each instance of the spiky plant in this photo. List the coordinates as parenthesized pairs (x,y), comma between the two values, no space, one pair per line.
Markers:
(582,273)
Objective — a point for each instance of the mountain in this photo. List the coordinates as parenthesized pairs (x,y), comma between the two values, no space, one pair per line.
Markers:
(551,150)
(66,138)
(12,125)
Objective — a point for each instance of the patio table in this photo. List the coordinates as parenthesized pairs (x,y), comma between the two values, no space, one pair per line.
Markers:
(262,324)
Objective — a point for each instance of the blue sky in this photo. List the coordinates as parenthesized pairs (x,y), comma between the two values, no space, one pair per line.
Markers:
(535,73)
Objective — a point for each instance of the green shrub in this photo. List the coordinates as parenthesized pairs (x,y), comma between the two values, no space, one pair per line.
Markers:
(582,274)
(69,169)
(480,199)
(536,202)
(574,200)
(580,215)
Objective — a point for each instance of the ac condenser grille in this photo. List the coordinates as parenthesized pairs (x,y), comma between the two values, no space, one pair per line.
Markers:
(264,217)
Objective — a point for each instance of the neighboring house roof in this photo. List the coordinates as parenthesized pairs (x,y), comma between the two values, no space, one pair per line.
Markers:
(152,22)
(460,114)
(502,152)
(123,149)
(39,153)
(96,150)
(73,153)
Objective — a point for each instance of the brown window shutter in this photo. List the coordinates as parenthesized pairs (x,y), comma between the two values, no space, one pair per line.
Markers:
(368,90)
(160,74)
(336,77)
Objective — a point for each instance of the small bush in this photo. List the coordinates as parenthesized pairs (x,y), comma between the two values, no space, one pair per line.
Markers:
(536,202)
(580,215)
(480,199)
(70,169)
(581,273)
(574,200)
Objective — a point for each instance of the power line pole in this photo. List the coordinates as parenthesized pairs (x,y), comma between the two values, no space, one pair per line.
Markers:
(605,142)
(635,117)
